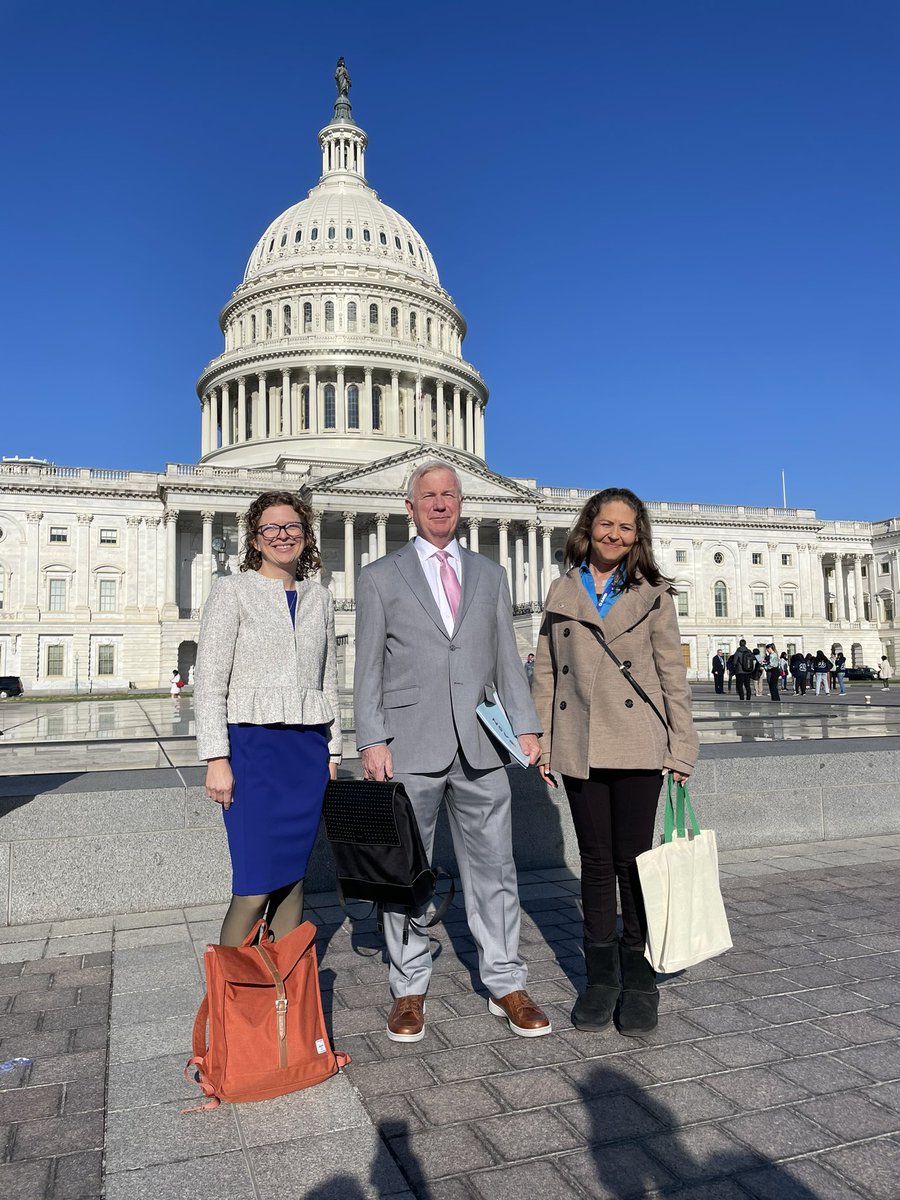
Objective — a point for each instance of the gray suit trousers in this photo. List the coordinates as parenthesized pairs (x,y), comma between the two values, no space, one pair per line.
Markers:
(478,807)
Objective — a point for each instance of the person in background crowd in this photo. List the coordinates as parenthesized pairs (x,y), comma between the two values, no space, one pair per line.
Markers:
(176,683)
(773,670)
(759,672)
(718,670)
(729,667)
(799,671)
(744,666)
(529,670)
(784,671)
(268,721)
(821,666)
(610,747)
(839,672)
(885,672)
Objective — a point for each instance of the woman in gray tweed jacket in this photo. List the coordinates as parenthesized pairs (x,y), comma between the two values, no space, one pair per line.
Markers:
(268,722)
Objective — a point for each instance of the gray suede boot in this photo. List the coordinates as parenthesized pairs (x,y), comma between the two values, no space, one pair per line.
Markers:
(594,1007)
(638,1011)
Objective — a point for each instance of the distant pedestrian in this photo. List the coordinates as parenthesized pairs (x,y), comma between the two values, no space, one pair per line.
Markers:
(784,671)
(800,672)
(773,670)
(885,672)
(730,668)
(175,684)
(839,672)
(822,666)
(718,670)
(759,673)
(744,665)
(529,669)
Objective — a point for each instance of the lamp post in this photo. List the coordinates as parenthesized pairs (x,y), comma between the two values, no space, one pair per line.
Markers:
(76,672)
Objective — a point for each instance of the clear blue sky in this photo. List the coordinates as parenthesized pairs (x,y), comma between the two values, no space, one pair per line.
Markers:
(671,226)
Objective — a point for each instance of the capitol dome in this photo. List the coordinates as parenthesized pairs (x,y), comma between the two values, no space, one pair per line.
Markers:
(341,346)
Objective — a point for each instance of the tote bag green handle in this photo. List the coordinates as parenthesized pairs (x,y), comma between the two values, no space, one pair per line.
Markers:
(673,823)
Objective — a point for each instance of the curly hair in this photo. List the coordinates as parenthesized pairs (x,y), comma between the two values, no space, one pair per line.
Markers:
(639,562)
(309,561)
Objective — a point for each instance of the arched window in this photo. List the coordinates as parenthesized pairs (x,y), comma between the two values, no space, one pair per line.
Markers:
(314,235)
(376,407)
(307,317)
(286,320)
(240,333)
(367,236)
(331,233)
(428,330)
(271,245)
(330,422)
(353,406)
(413,326)
(348,233)
(373,318)
(284,239)
(395,321)
(351,316)
(253,327)
(268,322)
(329,316)
(382,237)
(304,401)
(398,243)
(720,599)
(298,236)
(410,249)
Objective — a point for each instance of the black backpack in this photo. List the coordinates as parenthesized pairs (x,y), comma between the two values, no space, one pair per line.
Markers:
(746,661)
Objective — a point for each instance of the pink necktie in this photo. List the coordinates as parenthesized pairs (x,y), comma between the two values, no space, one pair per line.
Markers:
(449,582)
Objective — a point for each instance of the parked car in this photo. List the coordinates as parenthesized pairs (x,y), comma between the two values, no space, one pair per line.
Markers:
(10,685)
(860,673)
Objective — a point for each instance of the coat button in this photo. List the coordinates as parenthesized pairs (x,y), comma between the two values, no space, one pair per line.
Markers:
(629,703)
(566,632)
(565,670)
(562,704)
(627,665)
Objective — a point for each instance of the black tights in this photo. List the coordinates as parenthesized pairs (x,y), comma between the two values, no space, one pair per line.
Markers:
(283,909)
(613,813)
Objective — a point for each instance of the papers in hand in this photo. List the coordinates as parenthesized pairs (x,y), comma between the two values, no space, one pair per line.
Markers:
(492,715)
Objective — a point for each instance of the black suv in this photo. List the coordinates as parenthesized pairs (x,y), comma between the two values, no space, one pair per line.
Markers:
(10,685)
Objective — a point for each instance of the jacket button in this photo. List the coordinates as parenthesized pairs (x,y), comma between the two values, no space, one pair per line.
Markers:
(566,632)
(629,703)
(565,670)
(562,704)
(627,665)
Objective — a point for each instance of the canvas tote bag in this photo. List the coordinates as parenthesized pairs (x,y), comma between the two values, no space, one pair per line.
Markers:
(686,921)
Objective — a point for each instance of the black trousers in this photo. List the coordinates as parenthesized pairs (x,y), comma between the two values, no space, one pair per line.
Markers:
(773,685)
(613,813)
(743,685)
(718,680)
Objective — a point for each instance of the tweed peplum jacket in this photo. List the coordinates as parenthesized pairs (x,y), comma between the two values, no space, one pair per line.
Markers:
(253,667)
(591,715)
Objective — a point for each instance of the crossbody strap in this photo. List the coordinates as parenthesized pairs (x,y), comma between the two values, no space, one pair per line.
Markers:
(631,679)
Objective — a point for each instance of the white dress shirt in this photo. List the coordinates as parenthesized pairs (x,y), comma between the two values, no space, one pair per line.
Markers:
(431,565)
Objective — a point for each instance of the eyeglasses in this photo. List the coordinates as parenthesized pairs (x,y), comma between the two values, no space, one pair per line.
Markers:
(293,530)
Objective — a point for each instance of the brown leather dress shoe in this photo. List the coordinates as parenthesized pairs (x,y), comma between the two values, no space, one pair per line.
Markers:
(406,1021)
(523,1015)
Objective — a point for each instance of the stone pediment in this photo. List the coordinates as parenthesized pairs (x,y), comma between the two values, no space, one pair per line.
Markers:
(389,476)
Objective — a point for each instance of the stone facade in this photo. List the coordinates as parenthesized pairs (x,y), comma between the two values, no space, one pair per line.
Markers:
(342,369)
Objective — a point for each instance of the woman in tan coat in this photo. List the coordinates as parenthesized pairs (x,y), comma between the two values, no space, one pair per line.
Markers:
(611,747)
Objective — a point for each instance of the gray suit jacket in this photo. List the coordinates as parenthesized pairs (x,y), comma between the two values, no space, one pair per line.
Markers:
(416,687)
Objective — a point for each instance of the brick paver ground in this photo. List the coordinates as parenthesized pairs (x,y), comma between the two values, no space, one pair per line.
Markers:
(775,1072)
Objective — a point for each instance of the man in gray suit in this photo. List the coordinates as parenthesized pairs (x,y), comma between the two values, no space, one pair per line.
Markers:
(434,637)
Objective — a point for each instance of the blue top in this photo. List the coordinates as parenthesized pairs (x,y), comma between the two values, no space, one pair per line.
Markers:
(607,598)
(292,605)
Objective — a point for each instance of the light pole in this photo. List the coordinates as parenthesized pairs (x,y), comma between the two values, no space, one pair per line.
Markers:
(76,672)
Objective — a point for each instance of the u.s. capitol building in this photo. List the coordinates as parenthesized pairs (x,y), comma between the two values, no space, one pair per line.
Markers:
(342,369)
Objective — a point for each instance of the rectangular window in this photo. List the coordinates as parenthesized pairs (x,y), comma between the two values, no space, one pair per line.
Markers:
(681,555)
(786,560)
(682,603)
(109,537)
(791,648)
(788,604)
(57,595)
(759,604)
(885,568)
(864,570)
(56,657)
(686,655)
(59,533)
(107,595)
(756,558)
(2,589)
(106,660)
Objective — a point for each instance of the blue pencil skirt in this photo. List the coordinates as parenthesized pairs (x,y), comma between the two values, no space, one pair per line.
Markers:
(280,773)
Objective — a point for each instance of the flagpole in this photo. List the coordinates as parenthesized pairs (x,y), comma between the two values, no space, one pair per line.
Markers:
(783,490)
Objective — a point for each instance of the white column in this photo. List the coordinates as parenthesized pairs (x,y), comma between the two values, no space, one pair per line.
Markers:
(82,599)
(171,519)
(259,407)
(547,555)
(365,421)
(32,590)
(895,586)
(373,542)
(411,528)
(241,432)
(457,419)
(151,575)
(440,413)
(349,556)
(479,429)
(228,434)
(858,586)
(474,523)
(204,426)
(131,563)
(381,520)
(206,560)
(470,422)
(313,401)
(287,408)
(503,526)
(317,534)
(773,581)
(394,417)
(839,587)
(532,562)
(340,403)
(519,547)
(819,586)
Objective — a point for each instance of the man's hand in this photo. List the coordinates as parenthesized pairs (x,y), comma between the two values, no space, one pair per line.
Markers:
(378,763)
(220,782)
(530,746)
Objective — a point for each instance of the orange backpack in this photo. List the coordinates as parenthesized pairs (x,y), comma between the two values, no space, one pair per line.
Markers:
(266,1028)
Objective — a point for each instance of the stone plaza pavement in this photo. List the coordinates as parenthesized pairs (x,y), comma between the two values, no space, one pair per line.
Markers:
(775,1071)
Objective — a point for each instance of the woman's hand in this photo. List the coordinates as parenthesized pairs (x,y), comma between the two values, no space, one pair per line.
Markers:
(332,770)
(678,776)
(547,777)
(220,782)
